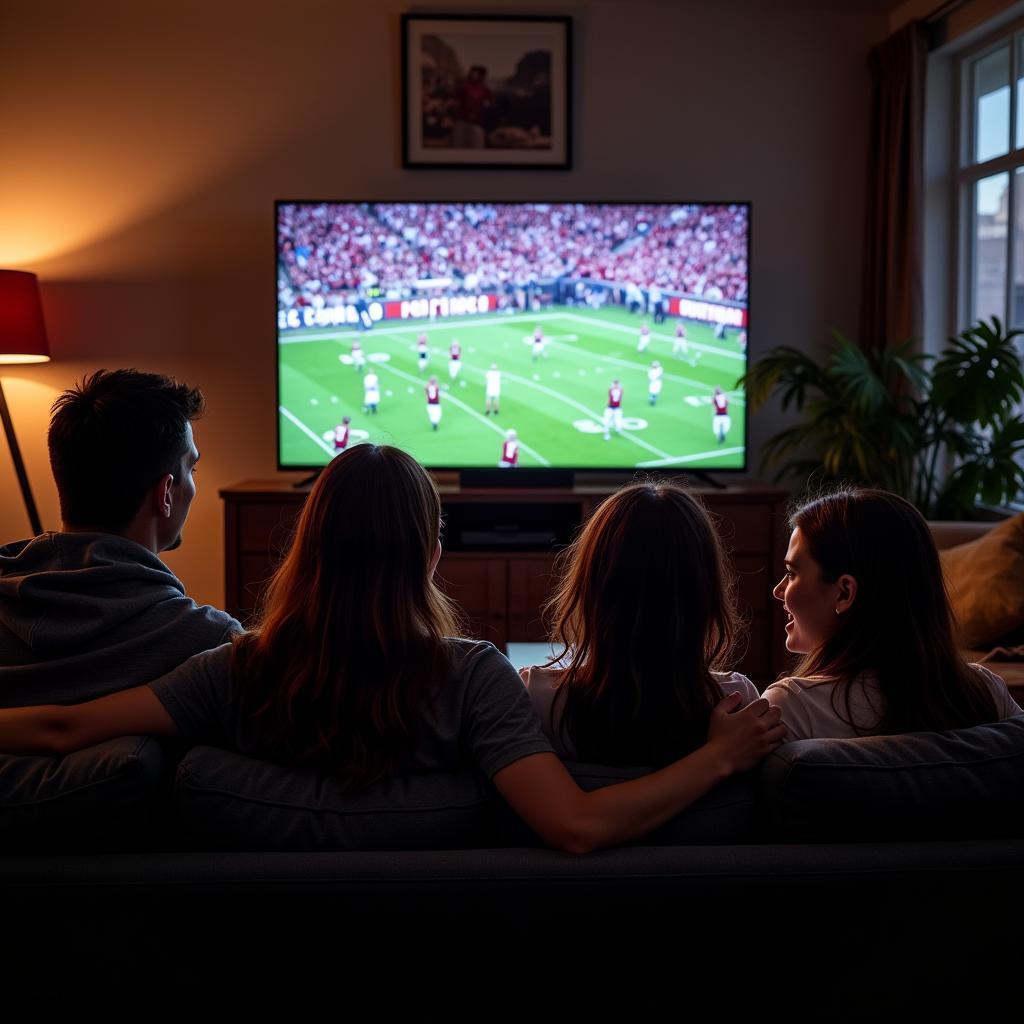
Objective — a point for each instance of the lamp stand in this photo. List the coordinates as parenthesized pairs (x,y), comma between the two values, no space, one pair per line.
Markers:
(19,466)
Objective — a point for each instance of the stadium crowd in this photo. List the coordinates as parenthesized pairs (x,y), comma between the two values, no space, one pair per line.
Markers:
(330,251)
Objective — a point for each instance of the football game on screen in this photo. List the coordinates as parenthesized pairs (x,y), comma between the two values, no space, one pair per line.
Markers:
(481,335)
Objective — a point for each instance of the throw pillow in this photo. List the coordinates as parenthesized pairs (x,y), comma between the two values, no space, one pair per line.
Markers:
(985,579)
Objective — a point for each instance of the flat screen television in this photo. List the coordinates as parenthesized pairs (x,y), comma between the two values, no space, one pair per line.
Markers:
(514,336)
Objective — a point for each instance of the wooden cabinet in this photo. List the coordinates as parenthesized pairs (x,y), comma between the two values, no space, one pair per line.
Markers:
(502,587)
(480,586)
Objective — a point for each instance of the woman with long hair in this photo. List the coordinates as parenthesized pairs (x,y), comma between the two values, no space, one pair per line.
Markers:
(352,671)
(645,629)
(869,614)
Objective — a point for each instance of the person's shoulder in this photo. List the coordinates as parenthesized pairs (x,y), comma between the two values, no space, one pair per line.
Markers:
(797,684)
(465,655)
(990,677)
(1006,705)
(540,677)
(214,661)
(15,548)
(736,682)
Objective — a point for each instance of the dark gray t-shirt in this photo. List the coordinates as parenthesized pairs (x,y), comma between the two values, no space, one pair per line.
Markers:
(483,715)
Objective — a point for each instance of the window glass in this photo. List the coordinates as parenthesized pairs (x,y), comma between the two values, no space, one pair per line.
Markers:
(1017,298)
(991,214)
(991,79)
(1018,134)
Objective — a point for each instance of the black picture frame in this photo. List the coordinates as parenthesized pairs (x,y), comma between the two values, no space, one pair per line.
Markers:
(487,91)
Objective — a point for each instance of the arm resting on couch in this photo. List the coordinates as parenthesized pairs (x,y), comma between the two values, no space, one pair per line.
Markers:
(540,790)
(58,729)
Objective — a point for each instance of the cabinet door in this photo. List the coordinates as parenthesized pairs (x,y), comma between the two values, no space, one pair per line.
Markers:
(478,585)
(530,582)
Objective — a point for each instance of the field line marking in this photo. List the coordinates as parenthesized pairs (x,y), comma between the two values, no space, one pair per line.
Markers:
(663,337)
(448,397)
(309,433)
(329,334)
(598,417)
(735,395)
(690,458)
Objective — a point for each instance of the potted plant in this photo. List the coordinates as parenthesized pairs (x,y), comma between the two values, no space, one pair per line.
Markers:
(943,431)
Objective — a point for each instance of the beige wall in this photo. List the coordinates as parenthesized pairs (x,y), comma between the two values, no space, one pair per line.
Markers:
(142,146)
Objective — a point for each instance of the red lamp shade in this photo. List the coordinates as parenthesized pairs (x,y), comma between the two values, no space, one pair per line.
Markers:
(22,331)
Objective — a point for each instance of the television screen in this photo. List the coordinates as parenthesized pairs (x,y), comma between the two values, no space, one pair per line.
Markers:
(507,335)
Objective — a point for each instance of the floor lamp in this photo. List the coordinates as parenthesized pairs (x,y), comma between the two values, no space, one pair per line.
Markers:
(22,340)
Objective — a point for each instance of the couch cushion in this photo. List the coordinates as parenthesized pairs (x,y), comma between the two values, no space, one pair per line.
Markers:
(985,579)
(725,815)
(94,797)
(958,784)
(227,801)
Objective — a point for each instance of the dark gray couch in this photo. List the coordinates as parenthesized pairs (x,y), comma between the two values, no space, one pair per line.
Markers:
(850,877)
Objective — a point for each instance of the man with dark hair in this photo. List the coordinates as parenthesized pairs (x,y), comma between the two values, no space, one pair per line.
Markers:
(92,609)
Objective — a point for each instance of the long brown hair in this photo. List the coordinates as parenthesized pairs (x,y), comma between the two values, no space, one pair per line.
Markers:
(349,641)
(899,627)
(644,612)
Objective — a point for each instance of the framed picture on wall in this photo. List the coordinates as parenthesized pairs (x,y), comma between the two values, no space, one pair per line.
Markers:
(487,91)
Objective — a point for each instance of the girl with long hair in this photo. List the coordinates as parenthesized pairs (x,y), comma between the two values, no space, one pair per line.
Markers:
(646,627)
(353,671)
(869,614)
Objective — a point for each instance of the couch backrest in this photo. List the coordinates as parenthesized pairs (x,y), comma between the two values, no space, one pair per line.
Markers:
(948,533)
(958,784)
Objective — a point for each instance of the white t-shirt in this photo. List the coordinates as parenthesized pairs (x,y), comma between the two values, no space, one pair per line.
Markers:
(493,383)
(807,711)
(542,686)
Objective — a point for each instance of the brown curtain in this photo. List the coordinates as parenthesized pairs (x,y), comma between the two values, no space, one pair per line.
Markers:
(891,284)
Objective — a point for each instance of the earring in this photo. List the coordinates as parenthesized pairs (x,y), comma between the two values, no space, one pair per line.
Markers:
(838,612)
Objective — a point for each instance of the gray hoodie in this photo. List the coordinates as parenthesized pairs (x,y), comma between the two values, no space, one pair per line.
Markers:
(86,614)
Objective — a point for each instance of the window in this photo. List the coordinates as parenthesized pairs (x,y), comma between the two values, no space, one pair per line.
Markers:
(991,180)
(990,183)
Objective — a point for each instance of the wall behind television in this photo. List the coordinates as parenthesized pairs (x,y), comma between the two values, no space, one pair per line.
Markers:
(142,145)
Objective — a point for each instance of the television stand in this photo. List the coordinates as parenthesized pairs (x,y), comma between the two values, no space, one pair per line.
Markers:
(704,477)
(307,480)
(500,546)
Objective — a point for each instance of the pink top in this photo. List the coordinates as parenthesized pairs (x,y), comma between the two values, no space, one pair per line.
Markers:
(807,712)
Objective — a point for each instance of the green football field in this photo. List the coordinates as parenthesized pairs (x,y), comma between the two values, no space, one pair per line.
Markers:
(556,404)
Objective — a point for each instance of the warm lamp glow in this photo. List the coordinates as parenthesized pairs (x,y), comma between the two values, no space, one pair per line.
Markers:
(22,340)
(22,331)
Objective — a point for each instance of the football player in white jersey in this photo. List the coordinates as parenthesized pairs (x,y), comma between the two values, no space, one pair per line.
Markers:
(654,382)
(613,412)
(680,346)
(492,390)
(539,344)
(720,421)
(358,356)
(433,403)
(341,434)
(645,338)
(371,392)
(422,353)
(509,451)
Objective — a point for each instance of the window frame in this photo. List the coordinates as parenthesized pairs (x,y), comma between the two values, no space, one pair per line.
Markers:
(968,173)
